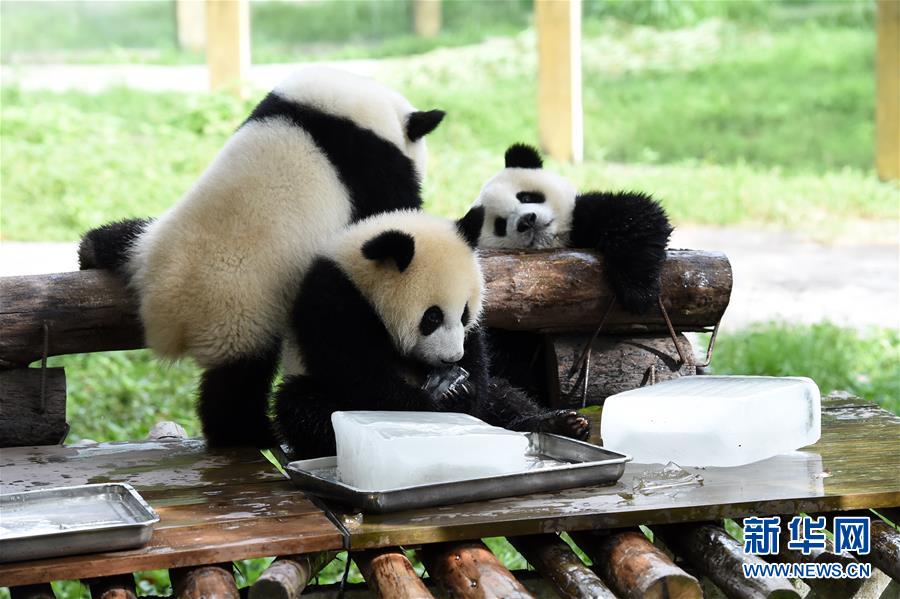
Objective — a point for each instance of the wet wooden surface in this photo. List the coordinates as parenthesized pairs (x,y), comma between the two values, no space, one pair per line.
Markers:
(213,506)
(854,465)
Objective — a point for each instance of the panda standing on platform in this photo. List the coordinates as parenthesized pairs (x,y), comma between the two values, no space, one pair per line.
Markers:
(214,275)
(390,302)
(526,207)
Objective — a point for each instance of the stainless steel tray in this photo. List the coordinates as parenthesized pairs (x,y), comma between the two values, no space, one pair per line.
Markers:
(557,463)
(69,520)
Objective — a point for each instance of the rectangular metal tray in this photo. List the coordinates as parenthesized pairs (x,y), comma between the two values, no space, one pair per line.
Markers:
(558,463)
(70,520)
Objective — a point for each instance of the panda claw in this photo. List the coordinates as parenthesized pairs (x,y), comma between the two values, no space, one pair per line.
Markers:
(570,423)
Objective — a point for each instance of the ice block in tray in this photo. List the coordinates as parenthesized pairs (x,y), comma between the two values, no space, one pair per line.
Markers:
(713,420)
(389,450)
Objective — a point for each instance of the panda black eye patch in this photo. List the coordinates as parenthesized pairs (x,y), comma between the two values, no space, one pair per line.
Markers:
(500,227)
(465,315)
(530,197)
(431,320)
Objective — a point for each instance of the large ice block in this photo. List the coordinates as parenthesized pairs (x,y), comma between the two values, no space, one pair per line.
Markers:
(389,450)
(713,420)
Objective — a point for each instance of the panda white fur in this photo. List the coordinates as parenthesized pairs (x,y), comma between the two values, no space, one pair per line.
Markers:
(214,274)
(526,207)
(389,300)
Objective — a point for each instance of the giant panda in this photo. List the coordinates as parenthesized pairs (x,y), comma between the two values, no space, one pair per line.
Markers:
(525,206)
(390,300)
(213,275)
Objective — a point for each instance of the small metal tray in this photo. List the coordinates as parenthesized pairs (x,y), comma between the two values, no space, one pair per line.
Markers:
(69,520)
(557,463)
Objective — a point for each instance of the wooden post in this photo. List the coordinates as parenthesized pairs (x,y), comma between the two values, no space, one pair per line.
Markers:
(426,17)
(827,588)
(715,554)
(561,566)
(27,418)
(617,363)
(190,22)
(633,568)
(227,42)
(389,573)
(469,570)
(560,118)
(286,577)
(887,111)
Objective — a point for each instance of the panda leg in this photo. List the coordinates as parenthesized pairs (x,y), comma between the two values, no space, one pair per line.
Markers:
(509,407)
(234,400)
(303,418)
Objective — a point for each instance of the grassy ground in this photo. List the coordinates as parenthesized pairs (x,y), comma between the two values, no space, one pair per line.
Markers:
(726,123)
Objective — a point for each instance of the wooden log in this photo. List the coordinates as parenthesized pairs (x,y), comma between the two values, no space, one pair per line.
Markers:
(426,17)
(560,111)
(887,108)
(884,546)
(390,574)
(112,587)
(564,290)
(561,566)
(825,588)
(92,311)
(617,363)
(227,42)
(633,568)
(204,582)
(25,417)
(84,311)
(32,591)
(468,570)
(287,576)
(711,551)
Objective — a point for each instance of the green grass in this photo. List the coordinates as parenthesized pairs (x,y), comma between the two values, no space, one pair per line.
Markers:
(725,124)
(866,364)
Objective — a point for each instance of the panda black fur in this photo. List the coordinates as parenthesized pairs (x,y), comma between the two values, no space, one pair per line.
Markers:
(214,275)
(390,299)
(524,206)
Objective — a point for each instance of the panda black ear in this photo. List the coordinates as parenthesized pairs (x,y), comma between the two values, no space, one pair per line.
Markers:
(523,156)
(391,245)
(470,225)
(419,124)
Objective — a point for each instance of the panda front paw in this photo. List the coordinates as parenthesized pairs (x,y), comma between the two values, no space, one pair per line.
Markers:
(567,423)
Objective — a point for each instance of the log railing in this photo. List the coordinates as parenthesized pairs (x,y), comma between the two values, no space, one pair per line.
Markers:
(91,311)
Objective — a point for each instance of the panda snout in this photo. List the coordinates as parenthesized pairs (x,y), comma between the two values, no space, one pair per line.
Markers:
(453,360)
(526,222)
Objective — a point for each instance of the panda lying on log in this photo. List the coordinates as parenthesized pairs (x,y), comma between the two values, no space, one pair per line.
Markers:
(390,300)
(526,207)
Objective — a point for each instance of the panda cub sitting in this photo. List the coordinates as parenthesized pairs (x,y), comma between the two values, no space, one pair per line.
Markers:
(389,301)
(526,207)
